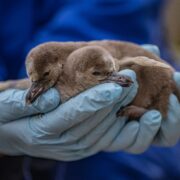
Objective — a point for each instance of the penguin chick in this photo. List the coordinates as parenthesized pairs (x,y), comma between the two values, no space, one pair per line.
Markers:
(86,67)
(43,66)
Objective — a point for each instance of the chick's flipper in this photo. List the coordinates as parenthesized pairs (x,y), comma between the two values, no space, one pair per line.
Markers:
(132,112)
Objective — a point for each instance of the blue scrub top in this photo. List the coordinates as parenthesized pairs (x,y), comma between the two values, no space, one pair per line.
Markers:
(24,24)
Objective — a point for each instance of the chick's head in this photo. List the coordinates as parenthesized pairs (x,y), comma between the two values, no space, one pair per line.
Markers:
(90,66)
(43,69)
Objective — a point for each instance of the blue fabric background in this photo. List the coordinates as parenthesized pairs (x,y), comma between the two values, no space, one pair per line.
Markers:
(24,24)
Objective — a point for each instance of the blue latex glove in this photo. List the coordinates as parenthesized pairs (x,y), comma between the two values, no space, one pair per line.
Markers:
(78,125)
(169,133)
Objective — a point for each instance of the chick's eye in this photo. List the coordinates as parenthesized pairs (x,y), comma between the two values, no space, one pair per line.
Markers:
(96,73)
(46,73)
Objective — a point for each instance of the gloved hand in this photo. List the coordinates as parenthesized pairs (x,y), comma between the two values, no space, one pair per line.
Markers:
(78,125)
(168,133)
(151,129)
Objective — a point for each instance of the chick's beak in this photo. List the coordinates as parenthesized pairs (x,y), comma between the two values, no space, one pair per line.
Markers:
(34,92)
(122,80)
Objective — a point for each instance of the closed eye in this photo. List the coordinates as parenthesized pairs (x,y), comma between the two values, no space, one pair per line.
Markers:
(96,73)
(46,73)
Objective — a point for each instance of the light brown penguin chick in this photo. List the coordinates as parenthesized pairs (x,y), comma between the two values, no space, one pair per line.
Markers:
(44,66)
(86,67)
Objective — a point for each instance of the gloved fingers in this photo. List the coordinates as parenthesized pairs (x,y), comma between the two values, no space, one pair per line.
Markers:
(13,106)
(102,143)
(152,48)
(176,77)
(99,145)
(28,142)
(169,133)
(91,137)
(131,134)
(74,150)
(107,138)
(96,140)
(149,125)
(68,150)
(85,105)
(15,137)
(75,133)
(126,136)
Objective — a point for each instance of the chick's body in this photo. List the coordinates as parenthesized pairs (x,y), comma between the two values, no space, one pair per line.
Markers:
(76,66)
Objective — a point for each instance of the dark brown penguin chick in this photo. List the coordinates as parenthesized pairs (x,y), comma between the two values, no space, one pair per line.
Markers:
(74,67)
